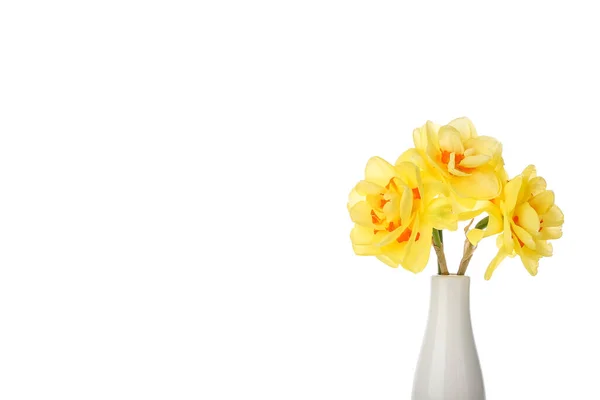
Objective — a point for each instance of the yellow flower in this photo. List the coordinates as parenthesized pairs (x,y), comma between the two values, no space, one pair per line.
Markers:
(395,210)
(526,217)
(471,164)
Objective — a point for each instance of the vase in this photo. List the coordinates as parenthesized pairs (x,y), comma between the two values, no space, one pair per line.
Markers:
(448,366)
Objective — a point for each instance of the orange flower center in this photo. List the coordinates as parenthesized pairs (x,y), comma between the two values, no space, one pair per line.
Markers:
(445,159)
(392,225)
(406,235)
(374,218)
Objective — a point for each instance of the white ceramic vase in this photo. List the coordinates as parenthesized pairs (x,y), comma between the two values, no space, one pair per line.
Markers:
(448,366)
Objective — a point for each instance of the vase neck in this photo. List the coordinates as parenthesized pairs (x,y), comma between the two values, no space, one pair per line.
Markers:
(449,294)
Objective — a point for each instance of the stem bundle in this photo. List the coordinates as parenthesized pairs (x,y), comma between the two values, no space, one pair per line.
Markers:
(468,249)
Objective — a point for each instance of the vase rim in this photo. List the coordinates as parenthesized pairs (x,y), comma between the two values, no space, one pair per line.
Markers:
(452,276)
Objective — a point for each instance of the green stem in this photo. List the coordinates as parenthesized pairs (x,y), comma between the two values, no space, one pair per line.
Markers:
(438,246)
(438,239)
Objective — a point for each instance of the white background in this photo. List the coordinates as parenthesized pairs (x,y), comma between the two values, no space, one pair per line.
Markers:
(173,186)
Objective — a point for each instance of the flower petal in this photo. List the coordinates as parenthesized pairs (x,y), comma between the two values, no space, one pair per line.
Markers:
(511,193)
(507,243)
(409,173)
(528,218)
(537,185)
(418,251)
(413,156)
(495,222)
(462,206)
(361,214)
(484,145)
(465,127)
(475,161)
(420,138)
(452,167)
(452,162)
(394,253)
(365,188)
(482,185)
(554,217)
(361,235)
(388,260)
(524,236)
(529,172)
(440,214)
(542,201)
(391,209)
(354,198)
(431,132)
(365,249)
(530,260)
(450,140)
(406,204)
(433,188)
(550,233)
(433,147)
(379,171)
(543,248)
(393,235)
(500,256)
(475,236)
(362,241)
(470,214)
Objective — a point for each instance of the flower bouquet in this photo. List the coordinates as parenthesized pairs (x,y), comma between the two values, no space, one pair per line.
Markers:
(400,212)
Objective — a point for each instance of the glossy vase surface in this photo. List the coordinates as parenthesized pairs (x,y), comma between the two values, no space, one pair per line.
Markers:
(448,366)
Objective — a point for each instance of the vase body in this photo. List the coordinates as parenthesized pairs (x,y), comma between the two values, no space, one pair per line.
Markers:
(448,366)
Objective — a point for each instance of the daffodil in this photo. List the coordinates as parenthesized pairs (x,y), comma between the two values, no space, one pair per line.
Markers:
(395,210)
(452,174)
(526,218)
(471,164)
